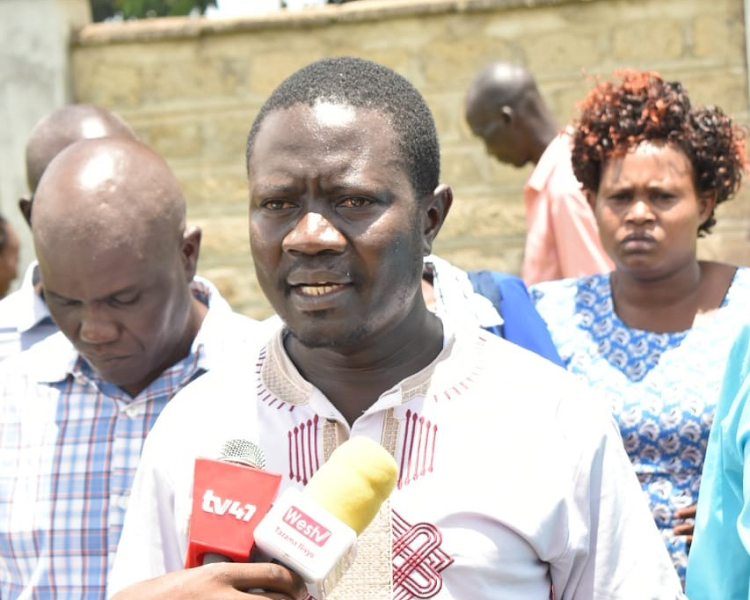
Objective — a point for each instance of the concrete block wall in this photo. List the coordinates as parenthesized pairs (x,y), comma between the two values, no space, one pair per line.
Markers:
(191,88)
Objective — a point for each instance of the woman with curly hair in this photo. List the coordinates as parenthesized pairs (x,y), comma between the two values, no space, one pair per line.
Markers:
(653,335)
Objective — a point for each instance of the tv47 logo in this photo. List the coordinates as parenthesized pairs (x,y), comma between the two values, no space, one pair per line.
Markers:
(213,504)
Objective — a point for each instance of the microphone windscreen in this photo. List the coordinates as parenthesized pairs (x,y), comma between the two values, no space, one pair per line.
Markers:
(243,452)
(354,482)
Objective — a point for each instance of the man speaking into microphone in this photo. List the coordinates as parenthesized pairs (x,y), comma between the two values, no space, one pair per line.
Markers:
(511,479)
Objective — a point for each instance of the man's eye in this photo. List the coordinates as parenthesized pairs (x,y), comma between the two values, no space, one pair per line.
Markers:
(355,202)
(275,204)
(64,302)
(124,300)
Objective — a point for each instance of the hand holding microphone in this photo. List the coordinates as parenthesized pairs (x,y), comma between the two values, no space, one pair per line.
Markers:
(228,581)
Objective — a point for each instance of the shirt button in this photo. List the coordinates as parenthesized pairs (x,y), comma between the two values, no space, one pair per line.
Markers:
(132,411)
(120,501)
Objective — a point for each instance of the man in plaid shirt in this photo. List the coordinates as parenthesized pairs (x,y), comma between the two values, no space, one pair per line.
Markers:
(117,265)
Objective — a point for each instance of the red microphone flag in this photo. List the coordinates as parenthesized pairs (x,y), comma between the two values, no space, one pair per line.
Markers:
(229,500)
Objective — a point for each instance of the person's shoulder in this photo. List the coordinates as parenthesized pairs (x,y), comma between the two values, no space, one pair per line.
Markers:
(11,309)
(503,277)
(33,372)
(559,301)
(226,332)
(732,412)
(736,281)
(44,357)
(514,382)
(488,283)
(562,288)
(741,282)
(222,395)
(561,179)
(498,361)
(739,357)
(213,408)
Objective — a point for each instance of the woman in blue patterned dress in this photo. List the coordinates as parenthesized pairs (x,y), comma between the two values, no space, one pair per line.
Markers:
(653,335)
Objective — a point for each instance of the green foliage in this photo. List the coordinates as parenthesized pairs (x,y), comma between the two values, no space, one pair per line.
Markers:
(141,9)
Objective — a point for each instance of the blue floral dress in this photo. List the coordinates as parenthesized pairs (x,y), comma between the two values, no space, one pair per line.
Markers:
(663,387)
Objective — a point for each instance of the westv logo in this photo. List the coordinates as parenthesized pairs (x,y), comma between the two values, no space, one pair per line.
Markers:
(307,526)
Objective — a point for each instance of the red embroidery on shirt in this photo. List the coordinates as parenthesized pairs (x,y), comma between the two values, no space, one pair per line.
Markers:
(418,559)
(418,450)
(262,392)
(302,447)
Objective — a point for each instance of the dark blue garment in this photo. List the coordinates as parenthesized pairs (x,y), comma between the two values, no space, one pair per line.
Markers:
(523,325)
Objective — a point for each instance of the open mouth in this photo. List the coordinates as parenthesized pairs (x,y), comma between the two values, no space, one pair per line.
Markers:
(318,289)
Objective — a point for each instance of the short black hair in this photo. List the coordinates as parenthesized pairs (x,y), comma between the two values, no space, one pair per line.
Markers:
(364,84)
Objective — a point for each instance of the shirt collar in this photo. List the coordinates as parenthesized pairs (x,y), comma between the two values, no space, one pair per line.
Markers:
(25,308)
(281,377)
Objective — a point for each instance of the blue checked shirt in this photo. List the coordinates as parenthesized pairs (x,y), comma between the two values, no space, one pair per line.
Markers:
(69,448)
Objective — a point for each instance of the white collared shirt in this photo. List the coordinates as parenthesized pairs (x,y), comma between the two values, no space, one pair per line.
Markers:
(512,477)
(24,317)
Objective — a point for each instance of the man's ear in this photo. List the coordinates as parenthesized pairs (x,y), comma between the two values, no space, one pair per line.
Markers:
(24,205)
(434,211)
(507,114)
(191,246)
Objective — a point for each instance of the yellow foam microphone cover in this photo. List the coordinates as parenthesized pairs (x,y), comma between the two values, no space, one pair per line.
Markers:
(354,481)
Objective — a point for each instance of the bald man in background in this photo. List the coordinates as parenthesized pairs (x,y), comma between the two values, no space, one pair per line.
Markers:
(117,264)
(24,317)
(505,109)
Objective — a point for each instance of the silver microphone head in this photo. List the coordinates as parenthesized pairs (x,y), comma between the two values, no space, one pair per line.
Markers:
(244,452)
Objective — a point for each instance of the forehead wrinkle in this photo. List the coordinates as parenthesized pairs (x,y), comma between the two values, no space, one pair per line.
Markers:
(352,175)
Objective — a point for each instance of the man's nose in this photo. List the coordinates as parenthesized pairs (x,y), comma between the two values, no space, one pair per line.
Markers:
(97,327)
(313,234)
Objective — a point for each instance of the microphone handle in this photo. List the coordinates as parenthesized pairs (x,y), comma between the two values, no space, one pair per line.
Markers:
(210,558)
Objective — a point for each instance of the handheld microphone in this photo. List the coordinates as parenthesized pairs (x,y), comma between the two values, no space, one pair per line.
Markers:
(230,497)
(313,532)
